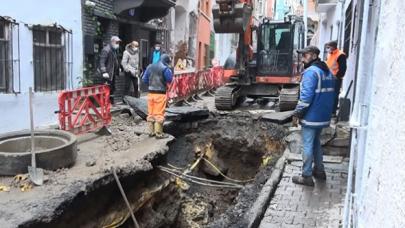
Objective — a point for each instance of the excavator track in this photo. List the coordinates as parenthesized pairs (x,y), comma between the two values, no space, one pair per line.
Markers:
(226,97)
(288,98)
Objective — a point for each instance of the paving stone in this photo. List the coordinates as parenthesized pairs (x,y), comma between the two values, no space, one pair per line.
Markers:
(302,206)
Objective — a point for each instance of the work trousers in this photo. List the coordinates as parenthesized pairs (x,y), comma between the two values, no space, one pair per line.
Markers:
(131,80)
(311,150)
(156,107)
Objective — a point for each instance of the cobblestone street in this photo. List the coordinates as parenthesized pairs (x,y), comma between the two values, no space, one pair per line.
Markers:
(302,206)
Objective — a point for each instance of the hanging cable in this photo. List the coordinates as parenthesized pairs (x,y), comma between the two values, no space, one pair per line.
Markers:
(184,177)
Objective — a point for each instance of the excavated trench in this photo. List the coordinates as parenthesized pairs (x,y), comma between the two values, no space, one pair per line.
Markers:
(210,177)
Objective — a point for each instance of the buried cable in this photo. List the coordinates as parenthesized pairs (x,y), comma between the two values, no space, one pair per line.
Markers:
(202,183)
(225,176)
(125,198)
(199,178)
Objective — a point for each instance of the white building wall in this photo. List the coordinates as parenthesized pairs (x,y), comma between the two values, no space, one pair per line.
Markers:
(381,190)
(14,107)
(335,18)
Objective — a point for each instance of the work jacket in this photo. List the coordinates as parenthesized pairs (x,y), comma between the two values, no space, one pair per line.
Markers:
(317,95)
(337,63)
(157,76)
(109,62)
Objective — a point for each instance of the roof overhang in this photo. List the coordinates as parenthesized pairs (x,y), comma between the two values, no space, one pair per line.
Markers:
(148,9)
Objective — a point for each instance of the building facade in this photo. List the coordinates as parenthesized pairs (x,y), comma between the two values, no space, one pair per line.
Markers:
(140,20)
(204,34)
(367,34)
(41,47)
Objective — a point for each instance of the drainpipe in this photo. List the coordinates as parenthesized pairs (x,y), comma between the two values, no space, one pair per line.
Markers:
(358,124)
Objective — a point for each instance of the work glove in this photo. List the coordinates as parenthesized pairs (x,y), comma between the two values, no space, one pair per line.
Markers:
(106,76)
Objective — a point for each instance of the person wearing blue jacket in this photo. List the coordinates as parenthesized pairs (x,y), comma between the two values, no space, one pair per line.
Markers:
(156,77)
(314,111)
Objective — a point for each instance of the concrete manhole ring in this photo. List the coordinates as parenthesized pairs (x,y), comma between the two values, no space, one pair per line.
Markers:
(54,149)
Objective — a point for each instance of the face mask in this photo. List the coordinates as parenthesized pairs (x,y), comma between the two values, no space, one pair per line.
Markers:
(115,46)
(135,48)
(157,48)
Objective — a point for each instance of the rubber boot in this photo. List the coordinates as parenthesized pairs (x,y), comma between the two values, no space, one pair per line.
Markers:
(151,126)
(159,131)
(308,181)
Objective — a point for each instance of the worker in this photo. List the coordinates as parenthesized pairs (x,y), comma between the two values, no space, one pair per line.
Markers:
(156,77)
(336,62)
(314,111)
(157,52)
(109,66)
(130,63)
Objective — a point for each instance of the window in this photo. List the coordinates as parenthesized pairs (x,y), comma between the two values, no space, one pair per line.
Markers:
(275,49)
(348,26)
(206,55)
(5,57)
(49,59)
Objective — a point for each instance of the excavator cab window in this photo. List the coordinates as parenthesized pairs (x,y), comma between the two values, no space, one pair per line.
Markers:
(275,49)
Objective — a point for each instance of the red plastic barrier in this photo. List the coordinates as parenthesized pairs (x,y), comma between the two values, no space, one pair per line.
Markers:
(85,109)
(187,84)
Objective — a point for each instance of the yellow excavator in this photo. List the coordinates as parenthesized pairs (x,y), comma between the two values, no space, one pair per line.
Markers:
(273,70)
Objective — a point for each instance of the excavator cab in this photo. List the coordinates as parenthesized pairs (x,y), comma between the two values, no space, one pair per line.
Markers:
(277,47)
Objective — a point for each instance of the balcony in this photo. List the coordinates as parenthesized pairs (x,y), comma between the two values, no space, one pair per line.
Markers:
(143,10)
(322,6)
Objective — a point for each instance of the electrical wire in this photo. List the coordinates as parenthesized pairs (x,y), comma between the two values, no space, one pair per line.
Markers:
(199,178)
(184,177)
(225,176)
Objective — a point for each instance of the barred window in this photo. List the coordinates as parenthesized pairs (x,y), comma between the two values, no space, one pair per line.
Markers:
(6,73)
(348,30)
(49,59)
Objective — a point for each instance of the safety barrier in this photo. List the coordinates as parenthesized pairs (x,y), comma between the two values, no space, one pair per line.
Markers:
(187,84)
(85,109)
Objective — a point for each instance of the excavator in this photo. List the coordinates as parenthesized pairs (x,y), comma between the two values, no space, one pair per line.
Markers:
(271,71)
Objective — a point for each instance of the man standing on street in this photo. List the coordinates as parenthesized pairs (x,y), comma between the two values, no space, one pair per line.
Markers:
(314,110)
(109,64)
(130,63)
(336,62)
(156,53)
(157,76)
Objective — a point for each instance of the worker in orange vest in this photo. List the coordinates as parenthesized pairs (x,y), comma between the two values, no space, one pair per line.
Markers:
(336,62)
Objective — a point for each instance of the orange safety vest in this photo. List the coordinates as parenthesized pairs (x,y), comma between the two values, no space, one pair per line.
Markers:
(332,61)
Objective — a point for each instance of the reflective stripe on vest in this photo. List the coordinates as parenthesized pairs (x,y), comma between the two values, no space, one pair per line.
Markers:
(332,61)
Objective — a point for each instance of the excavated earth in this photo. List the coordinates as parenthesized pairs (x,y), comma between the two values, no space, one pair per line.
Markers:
(242,147)
(127,152)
